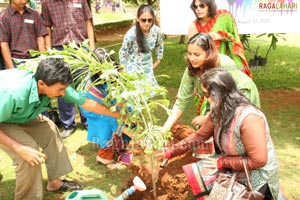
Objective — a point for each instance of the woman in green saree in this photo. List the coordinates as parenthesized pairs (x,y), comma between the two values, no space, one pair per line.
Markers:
(202,55)
(221,26)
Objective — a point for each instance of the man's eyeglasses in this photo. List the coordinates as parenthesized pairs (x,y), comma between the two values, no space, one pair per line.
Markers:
(150,20)
(201,5)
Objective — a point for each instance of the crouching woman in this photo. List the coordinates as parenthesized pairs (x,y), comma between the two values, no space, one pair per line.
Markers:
(239,129)
(104,130)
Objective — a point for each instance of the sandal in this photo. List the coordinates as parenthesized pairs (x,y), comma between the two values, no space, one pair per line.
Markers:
(69,186)
(104,161)
(116,166)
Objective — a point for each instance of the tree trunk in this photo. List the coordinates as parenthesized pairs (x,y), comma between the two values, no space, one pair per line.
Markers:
(90,6)
(182,38)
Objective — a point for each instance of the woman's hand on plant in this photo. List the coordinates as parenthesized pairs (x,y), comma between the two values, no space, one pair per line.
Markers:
(163,130)
(160,155)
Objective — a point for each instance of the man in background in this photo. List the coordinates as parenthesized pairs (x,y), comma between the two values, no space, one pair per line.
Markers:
(21,30)
(67,21)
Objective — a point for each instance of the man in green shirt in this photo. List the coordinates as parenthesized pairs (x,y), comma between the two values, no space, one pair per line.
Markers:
(24,132)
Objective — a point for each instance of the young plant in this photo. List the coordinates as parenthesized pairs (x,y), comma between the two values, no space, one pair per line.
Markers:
(129,93)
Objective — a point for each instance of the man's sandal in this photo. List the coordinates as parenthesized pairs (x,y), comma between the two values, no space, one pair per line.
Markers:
(69,186)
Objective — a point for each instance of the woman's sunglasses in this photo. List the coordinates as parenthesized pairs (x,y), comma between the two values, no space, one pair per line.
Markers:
(201,5)
(150,20)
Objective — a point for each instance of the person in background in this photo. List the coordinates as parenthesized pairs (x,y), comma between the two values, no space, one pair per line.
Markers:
(221,26)
(139,42)
(67,21)
(97,6)
(32,4)
(113,6)
(240,130)
(21,30)
(1,60)
(104,130)
(31,139)
(202,55)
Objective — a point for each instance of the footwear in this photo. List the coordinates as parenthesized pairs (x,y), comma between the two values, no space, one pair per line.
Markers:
(69,186)
(66,133)
(104,161)
(116,166)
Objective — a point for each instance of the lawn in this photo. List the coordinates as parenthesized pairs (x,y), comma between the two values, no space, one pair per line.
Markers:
(279,86)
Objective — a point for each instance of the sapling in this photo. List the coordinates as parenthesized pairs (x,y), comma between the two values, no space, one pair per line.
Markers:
(137,100)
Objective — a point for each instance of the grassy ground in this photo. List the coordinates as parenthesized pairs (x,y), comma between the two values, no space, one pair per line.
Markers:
(281,107)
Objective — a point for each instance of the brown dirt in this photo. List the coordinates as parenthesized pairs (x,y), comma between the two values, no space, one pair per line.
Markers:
(171,183)
(110,36)
(285,97)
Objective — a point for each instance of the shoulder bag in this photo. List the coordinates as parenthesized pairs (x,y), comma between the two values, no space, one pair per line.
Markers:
(226,187)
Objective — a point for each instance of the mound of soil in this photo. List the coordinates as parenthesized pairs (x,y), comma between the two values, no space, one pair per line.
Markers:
(171,182)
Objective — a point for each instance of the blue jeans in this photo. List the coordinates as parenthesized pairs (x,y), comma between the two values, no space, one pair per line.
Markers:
(67,111)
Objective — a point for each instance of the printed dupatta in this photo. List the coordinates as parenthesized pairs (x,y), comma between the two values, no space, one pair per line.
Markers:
(98,91)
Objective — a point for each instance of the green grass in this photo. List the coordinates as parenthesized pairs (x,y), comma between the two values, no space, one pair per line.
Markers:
(106,20)
(283,117)
(283,62)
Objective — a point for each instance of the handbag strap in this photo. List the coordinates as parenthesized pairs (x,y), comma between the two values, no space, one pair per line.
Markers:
(245,164)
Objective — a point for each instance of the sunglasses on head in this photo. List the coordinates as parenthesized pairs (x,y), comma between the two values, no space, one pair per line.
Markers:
(150,20)
(202,36)
(201,5)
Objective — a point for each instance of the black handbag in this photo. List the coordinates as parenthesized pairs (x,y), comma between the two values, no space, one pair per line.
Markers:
(227,187)
(54,116)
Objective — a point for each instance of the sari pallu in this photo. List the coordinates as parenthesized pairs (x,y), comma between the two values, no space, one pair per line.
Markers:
(224,24)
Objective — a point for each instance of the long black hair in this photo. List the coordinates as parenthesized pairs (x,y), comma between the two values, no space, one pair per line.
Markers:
(140,37)
(225,94)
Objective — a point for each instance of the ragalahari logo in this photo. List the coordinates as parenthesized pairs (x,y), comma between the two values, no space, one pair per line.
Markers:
(280,5)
